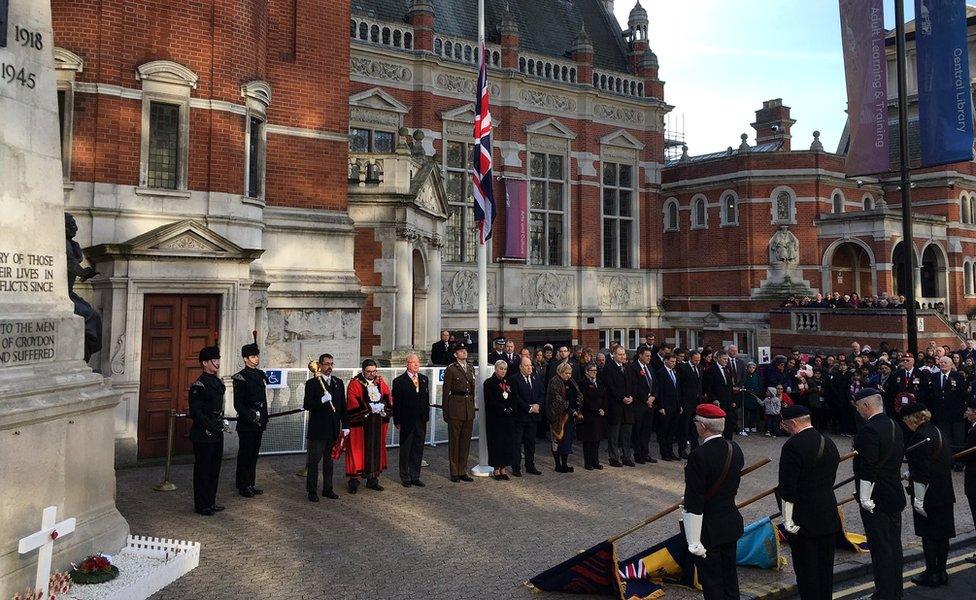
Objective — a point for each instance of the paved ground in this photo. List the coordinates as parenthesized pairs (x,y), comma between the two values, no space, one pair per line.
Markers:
(962,582)
(467,540)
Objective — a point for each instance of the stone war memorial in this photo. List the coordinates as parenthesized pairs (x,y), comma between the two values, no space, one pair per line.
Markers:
(56,415)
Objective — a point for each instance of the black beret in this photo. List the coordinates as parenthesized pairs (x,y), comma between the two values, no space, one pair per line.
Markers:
(209,353)
(911,409)
(459,346)
(794,412)
(865,392)
(250,350)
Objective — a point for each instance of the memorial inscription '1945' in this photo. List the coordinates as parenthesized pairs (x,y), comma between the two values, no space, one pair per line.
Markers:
(26,273)
(28,341)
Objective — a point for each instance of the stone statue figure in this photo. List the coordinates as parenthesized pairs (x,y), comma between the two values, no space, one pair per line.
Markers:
(784,249)
(93,320)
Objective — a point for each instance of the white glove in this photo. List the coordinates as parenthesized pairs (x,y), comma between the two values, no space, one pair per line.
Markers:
(788,523)
(345,432)
(919,502)
(864,496)
(693,529)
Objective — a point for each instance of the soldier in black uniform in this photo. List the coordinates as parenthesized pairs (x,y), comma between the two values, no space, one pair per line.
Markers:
(970,477)
(325,401)
(946,400)
(807,470)
(207,431)
(906,385)
(930,487)
(712,523)
(880,447)
(251,404)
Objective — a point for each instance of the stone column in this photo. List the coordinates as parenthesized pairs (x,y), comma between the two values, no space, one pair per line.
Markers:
(403,276)
(434,290)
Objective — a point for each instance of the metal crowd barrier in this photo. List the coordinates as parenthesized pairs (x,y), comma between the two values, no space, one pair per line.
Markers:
(285,433)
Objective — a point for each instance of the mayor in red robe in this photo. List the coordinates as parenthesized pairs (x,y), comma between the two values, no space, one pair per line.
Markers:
(369,405)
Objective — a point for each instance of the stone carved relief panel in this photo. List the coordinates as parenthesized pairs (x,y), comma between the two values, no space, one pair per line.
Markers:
(372,116)
(376,69)
(548,290)
(617,292)
(540,99)
(296,335)
(460,292)
(457,84)
(620,114)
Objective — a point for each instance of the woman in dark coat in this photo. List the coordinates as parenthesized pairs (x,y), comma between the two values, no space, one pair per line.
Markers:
(930,487)
(591,429)
(500,421)
(562,408)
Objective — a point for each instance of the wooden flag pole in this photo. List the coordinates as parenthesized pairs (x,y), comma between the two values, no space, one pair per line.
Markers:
(677,505)
(963,454)
(772,490)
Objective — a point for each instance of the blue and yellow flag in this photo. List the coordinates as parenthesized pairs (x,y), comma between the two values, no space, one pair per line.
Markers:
(759,546)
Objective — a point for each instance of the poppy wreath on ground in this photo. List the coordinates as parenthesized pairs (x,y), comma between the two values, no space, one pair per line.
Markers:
(94,569)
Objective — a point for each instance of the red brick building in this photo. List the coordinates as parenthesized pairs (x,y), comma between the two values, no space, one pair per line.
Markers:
(302,171)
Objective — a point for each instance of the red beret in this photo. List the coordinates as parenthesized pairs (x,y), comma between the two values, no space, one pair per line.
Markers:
(710,411)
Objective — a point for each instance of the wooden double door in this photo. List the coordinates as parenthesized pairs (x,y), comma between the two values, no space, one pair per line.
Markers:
(174,329)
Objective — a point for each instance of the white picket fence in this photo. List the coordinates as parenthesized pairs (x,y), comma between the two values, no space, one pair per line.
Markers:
(286,435)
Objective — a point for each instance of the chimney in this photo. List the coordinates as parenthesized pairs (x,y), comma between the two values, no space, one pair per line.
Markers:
(508,33)
(420,15)
(773,123)
(582,52)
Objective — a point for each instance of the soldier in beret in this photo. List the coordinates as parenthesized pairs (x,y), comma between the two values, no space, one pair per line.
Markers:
(458,410)
(206,401)
(711,520)
(251,404)
(930,488)
(807,470)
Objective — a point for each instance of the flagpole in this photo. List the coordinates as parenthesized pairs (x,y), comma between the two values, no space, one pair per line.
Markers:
(908,239)
(482,469)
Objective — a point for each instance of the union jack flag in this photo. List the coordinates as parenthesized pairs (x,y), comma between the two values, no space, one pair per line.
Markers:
(633,570)
(484,196)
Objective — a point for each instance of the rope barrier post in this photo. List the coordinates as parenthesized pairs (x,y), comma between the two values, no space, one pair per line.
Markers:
(166,485)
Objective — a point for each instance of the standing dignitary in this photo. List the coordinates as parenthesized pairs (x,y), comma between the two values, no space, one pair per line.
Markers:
(206,400)
(877,477)
(251,404)
(690,387)
(619,382)
(500,406)
(369,404)
(530,394)
(411,411)
(667,393)
(720,388)
(807,470)
(511,357)
(440,351)
(712,523)
(930,488)
(562,408)
(946,400)
(644,405)
(458,407)
(908,385)
(325,401)
(498,351)
(969,480)
(594,409)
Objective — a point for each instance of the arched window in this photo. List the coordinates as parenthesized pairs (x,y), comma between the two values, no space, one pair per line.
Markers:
(699,214)
(397,38)
(374,34)
(438,47)
(363,31)
(784,207)
(837,203)
(972,267)
(386,36)
(972,209)
(967,210)
(730,209)
(868,203)
(408,40)
(671,215)
(967,277)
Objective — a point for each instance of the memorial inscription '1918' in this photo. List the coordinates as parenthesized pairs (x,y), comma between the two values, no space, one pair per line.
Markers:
(28,341)
(23,272)
(32,40)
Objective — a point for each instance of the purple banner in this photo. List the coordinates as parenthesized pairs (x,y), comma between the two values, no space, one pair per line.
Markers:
(863,35)
(516,219)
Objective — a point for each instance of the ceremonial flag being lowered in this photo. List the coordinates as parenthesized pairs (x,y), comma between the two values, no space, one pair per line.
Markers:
(667,562)
(865,66)
(845,540)
(592,571)
(945,105)
(484,195)
(759,546)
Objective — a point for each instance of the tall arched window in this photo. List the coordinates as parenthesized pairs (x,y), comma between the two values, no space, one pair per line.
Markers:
(967,277)
(730,209)
(868,203)
(671,215)
(699,214)
(784,207)
(837,203)
(967,209)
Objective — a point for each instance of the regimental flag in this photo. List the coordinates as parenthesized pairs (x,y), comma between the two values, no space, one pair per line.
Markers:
(845,540)
(592,571)
(667,562)
(759,546)
(484,195)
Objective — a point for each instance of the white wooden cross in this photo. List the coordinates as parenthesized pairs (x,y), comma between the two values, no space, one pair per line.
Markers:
(43,542)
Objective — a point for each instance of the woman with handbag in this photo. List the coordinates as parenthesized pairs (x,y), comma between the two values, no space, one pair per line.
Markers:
(562,410)
(500,421)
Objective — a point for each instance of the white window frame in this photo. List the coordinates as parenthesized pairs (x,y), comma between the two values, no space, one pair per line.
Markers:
(774,196)
(257,98)
(696,201)
(632,219)
(967,276)
(67,65)
(166,82)
(668,226)
(723,216)
(445,170)
(965,209)
(548,213)
(623,148)
(834,206)
(868,203)
(550,136)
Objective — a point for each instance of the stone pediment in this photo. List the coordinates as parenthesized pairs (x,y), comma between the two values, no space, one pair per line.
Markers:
(427,191)
(181,239)
(379,100)
(551,127)
(713,319)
